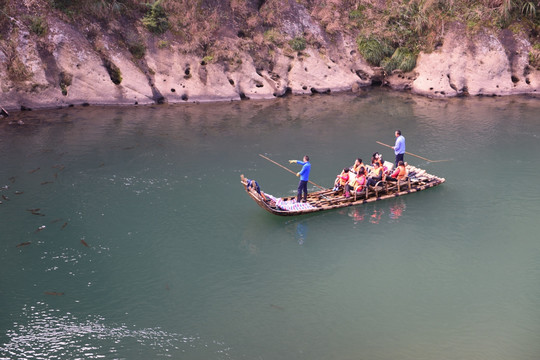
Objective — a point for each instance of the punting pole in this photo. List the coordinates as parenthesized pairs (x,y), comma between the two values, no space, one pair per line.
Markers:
(408,153)
(289,170)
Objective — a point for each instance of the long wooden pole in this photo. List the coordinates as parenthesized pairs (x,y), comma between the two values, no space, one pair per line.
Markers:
(289,170)
(408,153)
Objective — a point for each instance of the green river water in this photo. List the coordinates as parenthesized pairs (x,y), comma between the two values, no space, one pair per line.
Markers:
(145,245)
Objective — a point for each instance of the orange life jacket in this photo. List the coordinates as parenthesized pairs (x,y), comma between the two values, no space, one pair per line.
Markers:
(359,183)
(402,172)
(356,168)
(376,172)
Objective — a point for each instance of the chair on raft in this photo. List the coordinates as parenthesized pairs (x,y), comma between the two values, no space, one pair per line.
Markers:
(380,187)
(363,192)
(398,185)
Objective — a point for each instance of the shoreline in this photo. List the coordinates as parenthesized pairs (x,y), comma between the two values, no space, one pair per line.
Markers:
(16,114)
(69,64)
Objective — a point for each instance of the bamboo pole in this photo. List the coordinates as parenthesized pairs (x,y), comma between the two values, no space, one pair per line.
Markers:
(408,153)
(289,170)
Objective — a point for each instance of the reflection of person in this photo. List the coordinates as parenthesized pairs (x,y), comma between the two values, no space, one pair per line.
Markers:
(304,177)
(357,214)
(376,216)
(399,148)
(396,211)
(301,232)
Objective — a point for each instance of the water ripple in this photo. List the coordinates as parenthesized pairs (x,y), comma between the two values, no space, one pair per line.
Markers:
(48,334)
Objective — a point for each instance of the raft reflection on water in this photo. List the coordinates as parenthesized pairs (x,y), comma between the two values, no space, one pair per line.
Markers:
(376,214)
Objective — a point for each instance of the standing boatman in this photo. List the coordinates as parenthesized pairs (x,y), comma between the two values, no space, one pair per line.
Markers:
(304,177)
(399,148)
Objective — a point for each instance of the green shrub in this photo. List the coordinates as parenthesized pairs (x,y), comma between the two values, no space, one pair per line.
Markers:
(137,49)
(273,36)
(66,6)
(357,14)
(17,70)
(62,5)
(534,56)
(114,71)
(207,59)
(38,25)
(388,65)
(115,75)
(405,59)
(374,50)
(65,81)
(402,59)
(156,20)
(298,43)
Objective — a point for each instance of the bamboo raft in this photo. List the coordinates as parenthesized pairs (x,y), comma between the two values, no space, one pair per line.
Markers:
(328,199)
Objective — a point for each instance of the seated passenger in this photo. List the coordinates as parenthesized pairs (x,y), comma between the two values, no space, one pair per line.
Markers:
(357,184)
(399,174)
(341,180)
(378,158)
(357,165)
(376,174)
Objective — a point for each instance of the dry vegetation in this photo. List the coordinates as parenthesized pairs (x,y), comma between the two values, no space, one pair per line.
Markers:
(389,33)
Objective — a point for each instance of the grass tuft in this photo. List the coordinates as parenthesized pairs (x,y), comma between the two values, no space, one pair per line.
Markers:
(38,25)
(298,43)
(273,36)
(374,50)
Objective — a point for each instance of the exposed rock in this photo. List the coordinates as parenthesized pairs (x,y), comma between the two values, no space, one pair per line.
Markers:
(400,81)
(482,65)
(313,72)
(70,67)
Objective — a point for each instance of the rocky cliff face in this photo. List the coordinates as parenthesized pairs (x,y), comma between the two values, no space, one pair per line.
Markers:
(486,64)
(73,64)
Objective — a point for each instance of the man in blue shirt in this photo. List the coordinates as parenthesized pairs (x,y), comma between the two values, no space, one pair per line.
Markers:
(399,148)
(304,177)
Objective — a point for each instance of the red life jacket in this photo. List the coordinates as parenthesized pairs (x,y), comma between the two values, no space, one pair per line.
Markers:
(343,178)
